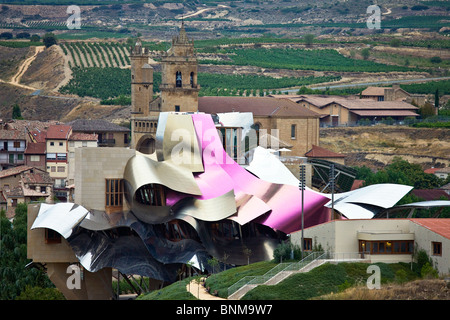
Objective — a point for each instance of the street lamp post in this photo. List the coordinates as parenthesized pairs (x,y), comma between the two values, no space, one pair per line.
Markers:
(302,188)
(332,185)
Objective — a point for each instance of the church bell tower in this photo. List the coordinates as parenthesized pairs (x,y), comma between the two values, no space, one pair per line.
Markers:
(179,87)
(143,126)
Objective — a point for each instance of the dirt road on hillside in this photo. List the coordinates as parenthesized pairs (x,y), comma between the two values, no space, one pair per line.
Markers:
(23,68)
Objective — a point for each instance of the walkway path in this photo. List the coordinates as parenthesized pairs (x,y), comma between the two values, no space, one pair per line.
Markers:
(199,291)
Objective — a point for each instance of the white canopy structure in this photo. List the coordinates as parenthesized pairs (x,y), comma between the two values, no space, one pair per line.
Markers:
(361,203)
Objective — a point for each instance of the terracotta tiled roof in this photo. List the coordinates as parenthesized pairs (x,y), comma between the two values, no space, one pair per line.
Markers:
(80,136)
(321,101)
(430,194)
(431,170)
(96,126)
(35,148)
(385,113)
(31,125)
(439,225)
(319,152)
(12,135)
(14,171)
(259,106)
(39,135)
(357,184)
(37,177)
(374,91)
(58,132)
(363,104)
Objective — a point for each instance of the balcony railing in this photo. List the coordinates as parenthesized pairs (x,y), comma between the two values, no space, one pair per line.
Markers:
(106,142)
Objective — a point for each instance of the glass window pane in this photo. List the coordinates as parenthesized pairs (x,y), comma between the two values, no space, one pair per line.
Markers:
(403,246)
(375,247)
(396,247)
(388,247)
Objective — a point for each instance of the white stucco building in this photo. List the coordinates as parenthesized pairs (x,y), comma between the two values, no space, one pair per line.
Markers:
(383,240)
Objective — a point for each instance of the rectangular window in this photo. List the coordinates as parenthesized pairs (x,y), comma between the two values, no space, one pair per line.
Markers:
(61,144)
(16,144)
(387,247)
(114,195)
(84,144)
(35,158)
(61,156)
(437,248)
(51,156)
(52,236)
(61,169)
(307,244)
(52,143)
(177,108)
(293,131)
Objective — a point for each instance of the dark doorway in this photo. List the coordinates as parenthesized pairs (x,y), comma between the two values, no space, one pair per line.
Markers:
(147,146)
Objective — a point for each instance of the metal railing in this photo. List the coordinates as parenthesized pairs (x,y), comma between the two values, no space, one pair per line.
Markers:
(297,266)
(284,266)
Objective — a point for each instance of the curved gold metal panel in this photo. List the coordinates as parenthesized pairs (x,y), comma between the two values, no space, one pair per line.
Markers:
(177,143)
(141,170)
(214,209)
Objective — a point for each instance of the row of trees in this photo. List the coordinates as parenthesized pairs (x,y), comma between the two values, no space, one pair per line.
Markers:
(22,35)
(401,171)
(16,281)
(48,39)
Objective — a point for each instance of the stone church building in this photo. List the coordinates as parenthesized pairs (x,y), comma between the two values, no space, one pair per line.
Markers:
(297,127)
(179,88)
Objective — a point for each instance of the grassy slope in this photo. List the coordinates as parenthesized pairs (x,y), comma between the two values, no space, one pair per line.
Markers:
(221,281)
(323,280)
(176,291)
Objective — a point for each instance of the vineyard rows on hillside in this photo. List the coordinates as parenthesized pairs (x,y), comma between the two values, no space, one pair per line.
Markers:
(95,65)
(96,54)
(302,59)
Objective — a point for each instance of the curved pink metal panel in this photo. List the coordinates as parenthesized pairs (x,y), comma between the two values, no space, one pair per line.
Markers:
(224,173)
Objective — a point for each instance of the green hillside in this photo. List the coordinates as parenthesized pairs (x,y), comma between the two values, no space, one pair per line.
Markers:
(323,280)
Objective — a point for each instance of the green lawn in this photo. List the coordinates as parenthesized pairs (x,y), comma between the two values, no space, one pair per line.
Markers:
(322,280)
(326,279)
(175,291)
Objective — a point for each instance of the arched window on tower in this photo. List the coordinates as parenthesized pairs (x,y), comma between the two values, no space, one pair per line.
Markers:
(192,80)
(178,80)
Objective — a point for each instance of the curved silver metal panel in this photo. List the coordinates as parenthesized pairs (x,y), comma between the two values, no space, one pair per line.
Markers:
(62,217)
(216,209)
